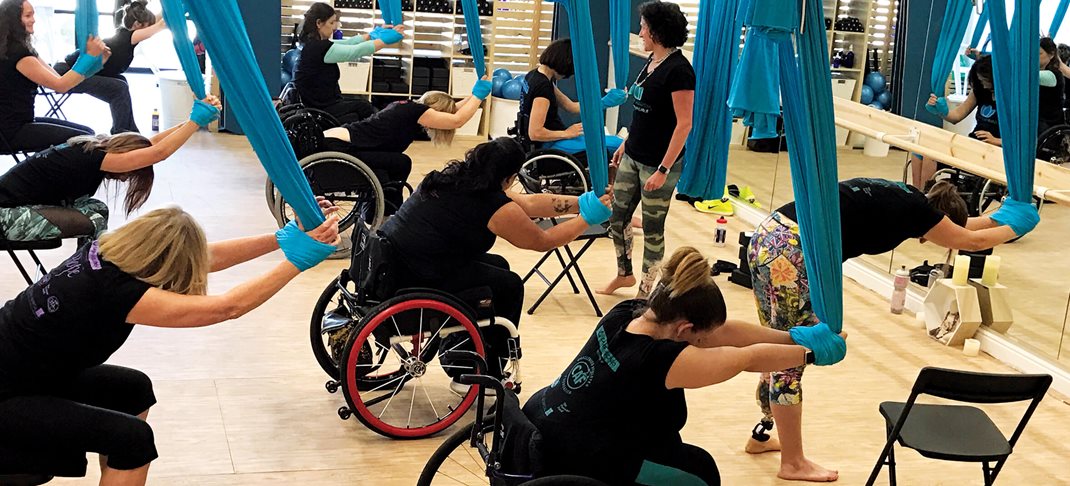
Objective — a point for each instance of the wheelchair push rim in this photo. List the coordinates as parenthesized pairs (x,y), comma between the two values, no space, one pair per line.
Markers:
(570,179)
(361,200)
(407,394)
(455,461)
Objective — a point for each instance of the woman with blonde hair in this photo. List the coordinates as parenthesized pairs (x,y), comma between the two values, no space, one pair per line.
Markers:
(58,400)
(381,139)
(641,357)
(50,194)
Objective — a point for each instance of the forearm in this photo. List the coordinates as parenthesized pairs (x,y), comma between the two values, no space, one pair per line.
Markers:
(988,238)
(171,143)
(339,53)
(563,233)
(740,334)
(166,133)
(676,144)
(980,223)
(227,253)
(548,205)
(542,134)
(352,41)
(253,293)
(764,358)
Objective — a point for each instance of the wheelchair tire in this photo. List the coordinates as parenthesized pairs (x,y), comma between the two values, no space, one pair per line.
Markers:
(329,348)
(1054,145)
(452,464)
(342,179)
(564,480)
(565,175)
(409,330)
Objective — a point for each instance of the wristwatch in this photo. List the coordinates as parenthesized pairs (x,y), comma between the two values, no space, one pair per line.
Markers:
(663,169)
(810,358)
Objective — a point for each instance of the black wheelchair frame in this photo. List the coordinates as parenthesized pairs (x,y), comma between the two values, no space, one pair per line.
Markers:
(548,170)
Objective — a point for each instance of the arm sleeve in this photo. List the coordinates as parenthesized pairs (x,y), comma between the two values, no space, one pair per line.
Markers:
(352,41)
(348,53)
(658,359)
(682,79)
(923,216)
(1048,79)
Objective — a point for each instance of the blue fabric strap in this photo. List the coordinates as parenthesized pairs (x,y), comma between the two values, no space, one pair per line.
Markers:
(755,95)
(716,46)
(475,36)
(979,27)
(589,89)
(1015,58)
(391,10)
(956,19)
(174,14)
(1057,21)
(620,29)
(220,25)
(86,18)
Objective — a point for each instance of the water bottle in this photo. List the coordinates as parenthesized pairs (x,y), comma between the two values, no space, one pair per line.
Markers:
(899,295)
(720,235)
(155,120)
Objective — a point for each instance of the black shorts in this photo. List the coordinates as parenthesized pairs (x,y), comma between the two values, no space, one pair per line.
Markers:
(50,430)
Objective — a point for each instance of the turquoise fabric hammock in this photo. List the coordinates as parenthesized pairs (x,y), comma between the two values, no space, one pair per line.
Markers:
(952,30)
(620,30)
(86,20)
(979,27)
(391,10)
(588,88)
(1015,57)
(475,36)
(1057,21)
(174,14)
(716,48)
(756,83)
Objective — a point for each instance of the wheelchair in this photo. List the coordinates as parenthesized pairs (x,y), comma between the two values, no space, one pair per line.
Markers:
(386,347)
(505,442)
(548,170)
(1054,145)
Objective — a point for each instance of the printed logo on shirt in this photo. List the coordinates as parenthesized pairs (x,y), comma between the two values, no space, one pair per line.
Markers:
(987,111)
(580,375)
(603,350)
(875,182)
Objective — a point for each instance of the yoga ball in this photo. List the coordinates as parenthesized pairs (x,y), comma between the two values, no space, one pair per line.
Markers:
(875,81)
(513,90)
(867,95)
(497,84)
(885,98)
(286,78)
(504,73)
(289,61)
(877,106)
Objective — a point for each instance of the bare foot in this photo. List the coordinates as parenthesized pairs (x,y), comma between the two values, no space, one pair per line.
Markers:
(807,471)
(757,447)
(617,283)
(637,223)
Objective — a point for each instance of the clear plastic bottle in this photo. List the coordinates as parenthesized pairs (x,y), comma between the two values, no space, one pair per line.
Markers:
(155,120)
(720,235)
(899,295)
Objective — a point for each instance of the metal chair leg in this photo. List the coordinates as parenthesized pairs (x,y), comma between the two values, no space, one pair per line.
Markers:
(22,269)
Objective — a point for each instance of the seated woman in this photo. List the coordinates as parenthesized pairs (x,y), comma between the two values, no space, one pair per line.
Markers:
(109,85)
(443,233)
(542,100)
(316,77)
(58,400)
(49,195)
(21,71)
(381,139)
(877,215)
(616,412)
(1052,87)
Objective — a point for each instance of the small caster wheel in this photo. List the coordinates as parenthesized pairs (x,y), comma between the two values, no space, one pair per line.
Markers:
(344,413)
(332,386)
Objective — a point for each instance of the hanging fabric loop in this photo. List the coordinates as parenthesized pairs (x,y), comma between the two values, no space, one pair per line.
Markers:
(474,31)
(979,27)
(174,14)
(86,20)
(1057,21)
(952,30)
(391,12)
(620,30)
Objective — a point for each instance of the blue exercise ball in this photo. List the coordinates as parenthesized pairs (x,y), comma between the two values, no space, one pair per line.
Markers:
(289,61)
(513,90)
(876,82)
(502,72)
(286,78)
(877,106)
(867,95)
(885,98)
(497,84)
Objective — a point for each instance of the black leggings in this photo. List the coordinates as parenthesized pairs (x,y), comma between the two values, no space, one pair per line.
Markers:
(388,167)
(45,132)
(50,429)
(349,111)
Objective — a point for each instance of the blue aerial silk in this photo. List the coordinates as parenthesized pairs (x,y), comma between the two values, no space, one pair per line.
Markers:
(979,27)
(1057,21)
(174,14)
(220,26)
(620,29)
(755,95)
(86,20)
(952,30)
(475,36)
(810,129)
(391,10)
(716,48)
(589,89)
(1015,58)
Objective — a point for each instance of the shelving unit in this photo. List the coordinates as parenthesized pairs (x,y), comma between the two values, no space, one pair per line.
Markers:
(857,42)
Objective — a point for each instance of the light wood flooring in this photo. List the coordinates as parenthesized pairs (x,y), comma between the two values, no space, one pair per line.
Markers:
(243,403)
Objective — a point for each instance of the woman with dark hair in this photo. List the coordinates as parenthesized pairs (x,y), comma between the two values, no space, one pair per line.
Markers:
(1064,71)
(21,71)
(109,85)
(1052,87)
(443,233)
(543,100)
(316,77)
(616,412)
(650,162)
(876,216)
(49,195)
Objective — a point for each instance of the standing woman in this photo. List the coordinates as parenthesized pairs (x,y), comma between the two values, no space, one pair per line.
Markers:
(317,72)
(650,162)
(109,85)
(21,71)
(876,216)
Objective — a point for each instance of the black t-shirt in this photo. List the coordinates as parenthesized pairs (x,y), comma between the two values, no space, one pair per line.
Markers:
(17,92)
(539,86)
(316,80)
(391,129)
(72,319)
(1051,102)
(61,173)
(654,118)
(609,409)
(987,119)
(876,215)
(435,236)
(122,54)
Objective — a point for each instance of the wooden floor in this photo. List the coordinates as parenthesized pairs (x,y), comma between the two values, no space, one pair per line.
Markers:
(243,403)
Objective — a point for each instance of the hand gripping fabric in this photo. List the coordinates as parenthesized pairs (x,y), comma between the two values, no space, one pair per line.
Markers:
(828,347)
(87,65)
(953,28)
(482,89)
(174,14)
(1022,217)
(475,36)
(203,114)
(592,210)
(615,97)
(939,109)
(86,20)
(303,251)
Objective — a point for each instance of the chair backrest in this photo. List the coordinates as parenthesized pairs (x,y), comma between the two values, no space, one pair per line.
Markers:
(370,263)
(973,387)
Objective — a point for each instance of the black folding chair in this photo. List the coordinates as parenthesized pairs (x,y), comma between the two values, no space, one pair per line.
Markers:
(7,149)
(567,267)
(957,432)
(29,247)
(55,102)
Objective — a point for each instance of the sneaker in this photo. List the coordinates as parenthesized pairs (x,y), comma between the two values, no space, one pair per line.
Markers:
(747,195)
(721,207)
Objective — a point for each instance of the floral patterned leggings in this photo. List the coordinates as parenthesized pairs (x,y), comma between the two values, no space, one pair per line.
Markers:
(783,297)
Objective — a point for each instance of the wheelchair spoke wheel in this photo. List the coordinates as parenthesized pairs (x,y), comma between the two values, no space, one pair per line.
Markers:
(456,462)
(333,320)
(394,377)
(343,180)
(552,172)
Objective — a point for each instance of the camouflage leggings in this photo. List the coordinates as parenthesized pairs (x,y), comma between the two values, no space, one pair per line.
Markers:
(85,217)
(628,192)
